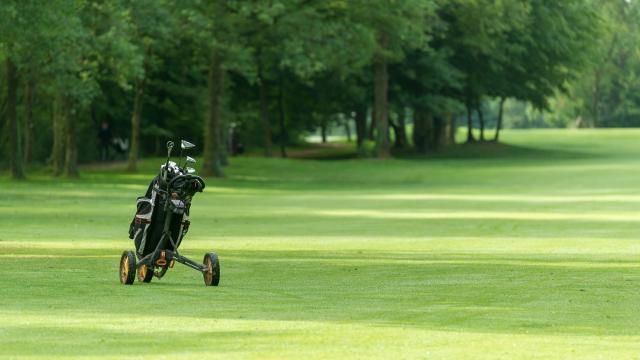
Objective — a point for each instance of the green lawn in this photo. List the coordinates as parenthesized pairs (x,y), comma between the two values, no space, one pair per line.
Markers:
(524,250)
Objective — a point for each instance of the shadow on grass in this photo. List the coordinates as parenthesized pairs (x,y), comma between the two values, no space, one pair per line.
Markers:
(108,340)
(475,150)
(567,294)
(493,150)
(326,151)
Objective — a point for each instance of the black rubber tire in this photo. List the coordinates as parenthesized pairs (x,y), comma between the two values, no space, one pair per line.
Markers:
(127,267)
(145,274)
(212,276)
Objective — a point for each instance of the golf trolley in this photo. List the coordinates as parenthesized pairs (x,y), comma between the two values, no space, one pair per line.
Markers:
(162,221)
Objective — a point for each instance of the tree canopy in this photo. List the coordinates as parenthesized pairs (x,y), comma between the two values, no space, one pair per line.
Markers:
(259,73)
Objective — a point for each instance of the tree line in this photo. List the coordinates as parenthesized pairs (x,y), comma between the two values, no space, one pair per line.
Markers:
(274,70)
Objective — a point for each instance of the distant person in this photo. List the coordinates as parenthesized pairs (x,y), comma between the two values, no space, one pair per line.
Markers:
(104,140)
(236,145)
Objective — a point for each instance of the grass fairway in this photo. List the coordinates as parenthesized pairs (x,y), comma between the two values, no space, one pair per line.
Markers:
(527,250)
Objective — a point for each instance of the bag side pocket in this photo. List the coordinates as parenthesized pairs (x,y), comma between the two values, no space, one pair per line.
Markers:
(141,222)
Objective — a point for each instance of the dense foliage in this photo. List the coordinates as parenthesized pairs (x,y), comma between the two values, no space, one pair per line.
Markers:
(264,73)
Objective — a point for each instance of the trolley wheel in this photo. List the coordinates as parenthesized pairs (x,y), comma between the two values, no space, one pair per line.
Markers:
(145,273)
(127,267)
(212,274)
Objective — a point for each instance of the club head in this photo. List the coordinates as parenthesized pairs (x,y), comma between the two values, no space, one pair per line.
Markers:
(191,170)
(190,160)
(169,148)
(185,145)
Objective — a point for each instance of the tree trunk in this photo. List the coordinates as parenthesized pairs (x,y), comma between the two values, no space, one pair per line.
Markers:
(381,79)
(420,141)
(361,130)
(224,143)
(28,121)
(595,99)
(499,122)
(481,118)
(371,135)
(71,151)
(264,116)
(438,132)
(4,126)
(401,131)
(429,132)
(211,163)
(57,152)
(394,128)
(417,131)
(470,137)
(451,130)
(15,148)
(134,148)
(323,129)
(281,119)
(347,128)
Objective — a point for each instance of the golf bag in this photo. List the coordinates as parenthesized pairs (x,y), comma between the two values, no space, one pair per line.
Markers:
(147,226)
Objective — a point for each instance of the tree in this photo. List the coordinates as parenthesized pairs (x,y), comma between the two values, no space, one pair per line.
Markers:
(301,41)
(153,27)
(396,27)
(100,50)
(427,83)
(474,30)
(29,36)
(546,54)
(512,49)
(606,93)
(216,29)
